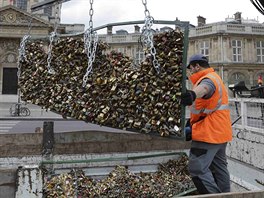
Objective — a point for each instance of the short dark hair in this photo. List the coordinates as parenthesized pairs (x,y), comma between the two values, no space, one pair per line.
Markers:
(203,64)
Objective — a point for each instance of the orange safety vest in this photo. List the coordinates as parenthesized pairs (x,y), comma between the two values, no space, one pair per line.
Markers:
(210,118)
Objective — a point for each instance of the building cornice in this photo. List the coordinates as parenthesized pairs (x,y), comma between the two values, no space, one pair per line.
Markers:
(222,28)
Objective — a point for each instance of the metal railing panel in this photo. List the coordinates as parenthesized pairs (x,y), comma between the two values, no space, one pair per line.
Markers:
(247,113)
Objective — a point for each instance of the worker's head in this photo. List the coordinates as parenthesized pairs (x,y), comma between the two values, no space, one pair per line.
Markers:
(197,62)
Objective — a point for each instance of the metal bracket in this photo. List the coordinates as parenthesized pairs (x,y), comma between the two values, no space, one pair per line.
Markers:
(45,4)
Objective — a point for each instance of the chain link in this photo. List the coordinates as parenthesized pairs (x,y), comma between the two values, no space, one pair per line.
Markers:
(30,24)
(90,38)
(22,48)
(21,54)
(58,8)
(147,34)
(51,39)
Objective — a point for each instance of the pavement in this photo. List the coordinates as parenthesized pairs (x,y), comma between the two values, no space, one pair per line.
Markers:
(6,101)
(38,115)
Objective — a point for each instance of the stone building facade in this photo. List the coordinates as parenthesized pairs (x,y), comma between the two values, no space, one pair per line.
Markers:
(124,42)
(14,26)
(129,43)
(48,13)
(16,21)
(234,47)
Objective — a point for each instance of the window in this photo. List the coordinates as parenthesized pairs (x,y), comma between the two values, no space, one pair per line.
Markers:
(260,51)
(21,4)
(139,56)
(204,48)
(237,50)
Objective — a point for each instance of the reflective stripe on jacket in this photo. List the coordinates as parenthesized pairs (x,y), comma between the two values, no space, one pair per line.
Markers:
(210,118)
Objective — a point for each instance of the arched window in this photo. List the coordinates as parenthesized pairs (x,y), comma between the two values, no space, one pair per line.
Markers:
(237,77)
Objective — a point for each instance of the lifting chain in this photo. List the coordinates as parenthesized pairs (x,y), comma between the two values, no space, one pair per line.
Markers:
(51,39)
(148,37)
(22,53)
(22,48)
(90,39)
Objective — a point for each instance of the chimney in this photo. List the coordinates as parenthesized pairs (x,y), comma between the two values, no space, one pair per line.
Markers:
(137,29)
(201,21)
(238,17)
(109,30)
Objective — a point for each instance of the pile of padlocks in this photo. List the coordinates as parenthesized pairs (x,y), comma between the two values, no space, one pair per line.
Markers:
(172,178)
(117,93)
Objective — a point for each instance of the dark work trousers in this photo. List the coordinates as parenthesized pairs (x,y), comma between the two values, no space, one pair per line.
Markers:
(208,167)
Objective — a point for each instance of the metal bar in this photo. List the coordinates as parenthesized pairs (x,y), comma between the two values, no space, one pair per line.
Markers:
(184,77)
(257,100)
(243,113)
(187,192)
(236,120)
(182,24)
(45,4)
(111,159)
(37,119)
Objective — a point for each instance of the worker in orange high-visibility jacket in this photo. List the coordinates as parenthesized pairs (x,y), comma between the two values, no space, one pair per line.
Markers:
(210,125)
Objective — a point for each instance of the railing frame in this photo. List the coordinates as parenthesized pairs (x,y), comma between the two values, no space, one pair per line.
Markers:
(244,113)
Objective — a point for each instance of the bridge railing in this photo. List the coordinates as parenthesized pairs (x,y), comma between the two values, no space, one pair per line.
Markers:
(247,113)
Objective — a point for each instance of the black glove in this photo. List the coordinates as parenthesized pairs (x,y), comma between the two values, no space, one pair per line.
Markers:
(188,131)
(188,98)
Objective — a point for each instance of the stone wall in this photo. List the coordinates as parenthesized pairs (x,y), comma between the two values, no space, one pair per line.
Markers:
(247,146)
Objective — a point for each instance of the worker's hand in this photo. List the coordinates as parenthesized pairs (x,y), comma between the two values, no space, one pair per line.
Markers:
(188,131)
(188,97)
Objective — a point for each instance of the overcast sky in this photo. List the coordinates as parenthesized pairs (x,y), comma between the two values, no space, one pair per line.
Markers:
(111,11)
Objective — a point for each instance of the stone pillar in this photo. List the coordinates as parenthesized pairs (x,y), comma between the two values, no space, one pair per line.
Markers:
(109,30)
(251,78)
